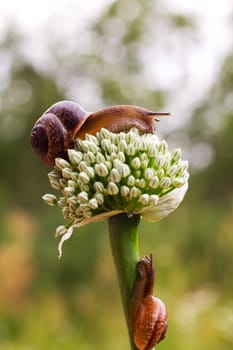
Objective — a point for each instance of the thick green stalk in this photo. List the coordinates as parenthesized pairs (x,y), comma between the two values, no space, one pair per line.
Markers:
(123,230)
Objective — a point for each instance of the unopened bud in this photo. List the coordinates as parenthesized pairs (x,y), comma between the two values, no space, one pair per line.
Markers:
(50,199)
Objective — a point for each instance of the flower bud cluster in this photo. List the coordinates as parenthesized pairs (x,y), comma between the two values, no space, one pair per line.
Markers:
(124,172)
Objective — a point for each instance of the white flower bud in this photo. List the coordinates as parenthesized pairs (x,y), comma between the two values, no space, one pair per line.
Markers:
(99,197)
(124,170)
(108,164)
(113,138)
(72,205)
(104,134)
(160,173)
(72,200)
(131,181)
(167,162)
(130,150)
(121,156)
(84,187)
(143,156)
(55,183)
(153,151)
(84,208)
(82,197)
(66,213)
(74,176)
(106,145)
(163,147)
(68,191)
(165,182)
(61,163)
(135,163)
(115,175)
(71,183)
(112,188)
(132,135)
(54,175)
(144,199)
(60,231)
(178,182)
(101,170)
(98,186)
(134,192)
(183,168)
(62,202)
(113,148)
(84,145)
(149,173)
(176,154)
(113,156)
(144,164)
(154,199)
(138,144)
(93,148)
(100,158)
(74,156)
(117,164)
(67,173)
(50,199)
(93,204)
(124,191)
(89,157)
(172,170)
(90,172)
(120,137)
(154,182)
(159,161)
(82,166)
(83,178)
(140,183)
(92,139)
(122,146)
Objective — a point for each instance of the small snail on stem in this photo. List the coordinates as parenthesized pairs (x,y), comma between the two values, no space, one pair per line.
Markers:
(148,313)
(55,131)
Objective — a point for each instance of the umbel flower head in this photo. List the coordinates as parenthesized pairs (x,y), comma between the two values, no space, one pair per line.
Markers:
(110,173)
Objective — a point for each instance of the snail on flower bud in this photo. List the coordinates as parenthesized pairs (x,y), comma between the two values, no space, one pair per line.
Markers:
(55,131)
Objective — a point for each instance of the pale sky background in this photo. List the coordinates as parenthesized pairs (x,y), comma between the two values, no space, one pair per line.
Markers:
(198,64)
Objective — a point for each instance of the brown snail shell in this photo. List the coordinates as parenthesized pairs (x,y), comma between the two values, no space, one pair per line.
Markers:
(148,313)
(55,131)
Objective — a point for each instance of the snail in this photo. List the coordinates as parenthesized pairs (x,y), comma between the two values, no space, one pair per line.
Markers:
(148,313)
(55,131)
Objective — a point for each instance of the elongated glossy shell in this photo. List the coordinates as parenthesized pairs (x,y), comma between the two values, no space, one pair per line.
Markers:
(148,313)
(150,323)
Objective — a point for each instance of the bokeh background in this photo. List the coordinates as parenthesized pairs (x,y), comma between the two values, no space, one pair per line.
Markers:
(168,55)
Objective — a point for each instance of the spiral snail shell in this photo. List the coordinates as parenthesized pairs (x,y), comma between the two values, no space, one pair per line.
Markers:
(148,313)
(55,131)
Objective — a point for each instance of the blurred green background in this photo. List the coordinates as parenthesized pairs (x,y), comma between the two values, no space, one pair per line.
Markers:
(134,52)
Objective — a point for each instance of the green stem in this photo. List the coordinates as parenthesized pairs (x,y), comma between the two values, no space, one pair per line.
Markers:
(123,230)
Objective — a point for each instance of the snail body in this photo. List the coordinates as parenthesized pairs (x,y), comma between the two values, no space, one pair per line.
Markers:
(119,118)
(55,131)
(148,313)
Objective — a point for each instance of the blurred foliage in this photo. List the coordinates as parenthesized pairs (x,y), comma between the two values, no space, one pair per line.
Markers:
(67,304)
